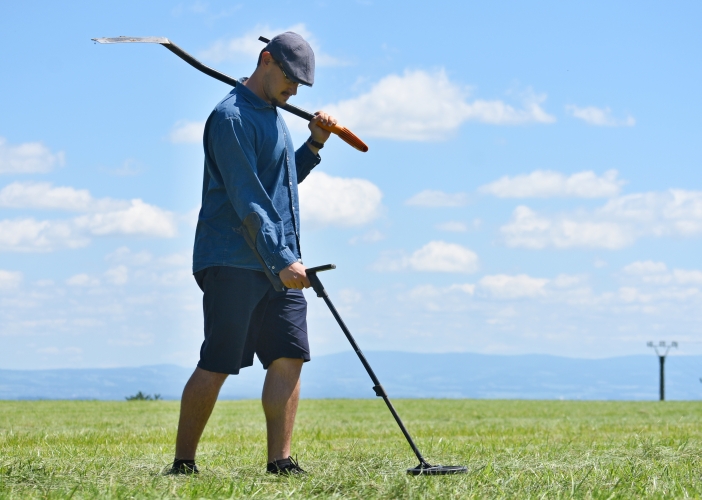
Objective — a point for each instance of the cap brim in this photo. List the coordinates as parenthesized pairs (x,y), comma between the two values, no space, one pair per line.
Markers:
(291,75)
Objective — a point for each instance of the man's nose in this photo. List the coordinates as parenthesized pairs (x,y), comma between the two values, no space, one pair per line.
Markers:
(293,88)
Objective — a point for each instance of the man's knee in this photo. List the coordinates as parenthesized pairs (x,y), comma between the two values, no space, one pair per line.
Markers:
(290,366)
(208,377)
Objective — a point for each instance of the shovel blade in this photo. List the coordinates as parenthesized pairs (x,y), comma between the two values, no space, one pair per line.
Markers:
(133,39)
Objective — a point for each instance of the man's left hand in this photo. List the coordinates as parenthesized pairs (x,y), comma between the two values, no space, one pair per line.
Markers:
(294,276)
(318,133)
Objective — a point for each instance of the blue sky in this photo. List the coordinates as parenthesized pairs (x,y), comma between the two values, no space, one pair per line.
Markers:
(533,181)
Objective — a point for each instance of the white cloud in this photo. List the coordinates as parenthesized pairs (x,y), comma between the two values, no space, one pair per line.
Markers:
(645,267)
(187,132)
(105,216)
(452,227)
(28,158)
(82,280)
(656,273)
(350,296)
(632,294)
(435,256)
(654,298)
(144,268)
(444,257)
(31,235)
(601,117)
(433,198)
(247,47)
(504,286)
(62,351)
(528,229)
(568,280)
(338,201)
(118,275)
(687,277)
(617,224)
(42,195)
(422,106)
(372,236)
(141,270)
(133,340)
(204,9)
(129,168)
(671,212)
(431,291)
(138,219)
(451,298)
(564,289)
(124,254)
(562,293)
(9,279)
(546,184)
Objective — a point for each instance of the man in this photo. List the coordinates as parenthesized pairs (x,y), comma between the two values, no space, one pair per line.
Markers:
(251,173)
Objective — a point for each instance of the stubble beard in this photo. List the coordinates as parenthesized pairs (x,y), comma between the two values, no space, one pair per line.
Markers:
(269,93)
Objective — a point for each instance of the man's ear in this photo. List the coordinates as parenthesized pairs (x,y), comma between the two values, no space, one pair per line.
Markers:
(266,58)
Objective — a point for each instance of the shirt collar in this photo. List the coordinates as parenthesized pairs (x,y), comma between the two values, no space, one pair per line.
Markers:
(255,101)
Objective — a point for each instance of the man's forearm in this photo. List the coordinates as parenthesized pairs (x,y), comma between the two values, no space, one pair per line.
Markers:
(305,160)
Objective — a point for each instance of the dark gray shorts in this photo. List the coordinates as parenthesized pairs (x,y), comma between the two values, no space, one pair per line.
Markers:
(245,315)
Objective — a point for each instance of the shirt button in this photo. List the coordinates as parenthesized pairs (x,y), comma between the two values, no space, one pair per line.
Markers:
(272,267)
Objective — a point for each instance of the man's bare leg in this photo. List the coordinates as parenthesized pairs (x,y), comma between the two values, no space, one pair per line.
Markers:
(199,397)
(281,393)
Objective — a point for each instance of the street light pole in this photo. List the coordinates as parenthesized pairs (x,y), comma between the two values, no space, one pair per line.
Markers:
(661,360)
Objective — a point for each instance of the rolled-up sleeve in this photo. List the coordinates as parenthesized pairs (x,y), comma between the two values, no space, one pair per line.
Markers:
(234,153)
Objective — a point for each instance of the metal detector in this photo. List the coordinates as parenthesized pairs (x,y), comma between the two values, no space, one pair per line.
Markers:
(424,467)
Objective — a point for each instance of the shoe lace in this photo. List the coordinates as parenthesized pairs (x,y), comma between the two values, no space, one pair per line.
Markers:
(294,464)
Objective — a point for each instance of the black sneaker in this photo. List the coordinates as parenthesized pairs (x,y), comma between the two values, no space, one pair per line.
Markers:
(183,467)
(285,466)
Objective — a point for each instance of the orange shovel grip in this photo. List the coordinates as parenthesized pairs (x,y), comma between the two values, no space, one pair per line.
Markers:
(346,135)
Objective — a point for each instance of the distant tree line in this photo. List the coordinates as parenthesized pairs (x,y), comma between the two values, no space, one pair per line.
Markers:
(140,396)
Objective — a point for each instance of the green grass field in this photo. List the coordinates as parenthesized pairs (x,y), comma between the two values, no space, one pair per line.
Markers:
(353,449)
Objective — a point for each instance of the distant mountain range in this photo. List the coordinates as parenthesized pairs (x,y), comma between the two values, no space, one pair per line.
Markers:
(404,375)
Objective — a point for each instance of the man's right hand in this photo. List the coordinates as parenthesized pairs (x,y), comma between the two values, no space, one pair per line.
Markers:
(294,276)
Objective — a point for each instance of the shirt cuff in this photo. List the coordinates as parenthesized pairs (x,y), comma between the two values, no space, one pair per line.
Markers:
(278,261)
(307,157)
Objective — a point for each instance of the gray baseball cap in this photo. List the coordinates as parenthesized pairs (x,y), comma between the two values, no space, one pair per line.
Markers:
(295,56)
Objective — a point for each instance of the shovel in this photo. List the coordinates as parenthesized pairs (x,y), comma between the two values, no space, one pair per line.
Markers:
(344,134)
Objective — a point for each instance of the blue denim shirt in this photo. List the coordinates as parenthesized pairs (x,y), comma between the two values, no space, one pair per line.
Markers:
(250,166)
